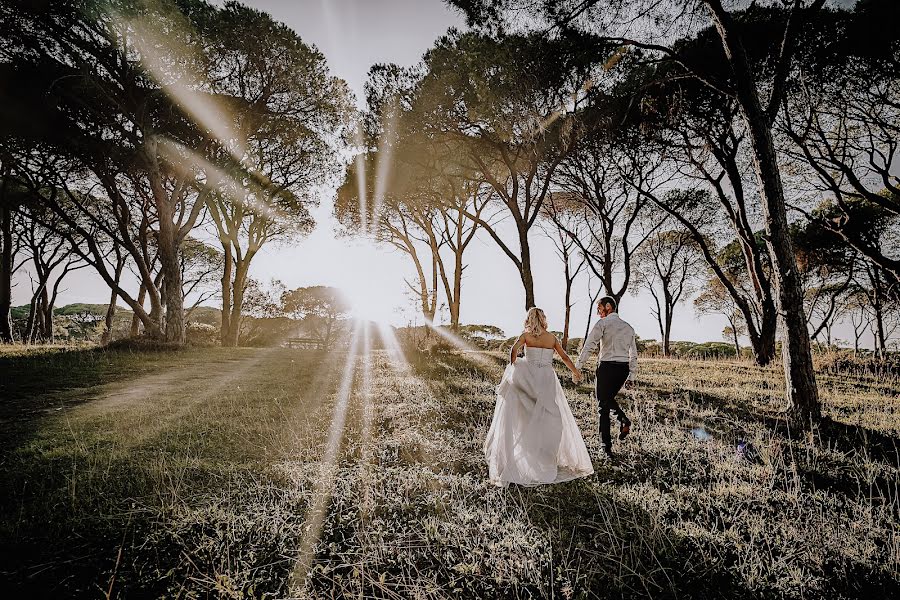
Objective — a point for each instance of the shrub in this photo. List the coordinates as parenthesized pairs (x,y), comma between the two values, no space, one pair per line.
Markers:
(201,334)
(710,350)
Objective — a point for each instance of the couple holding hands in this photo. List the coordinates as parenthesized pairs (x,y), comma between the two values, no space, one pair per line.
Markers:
(533,438)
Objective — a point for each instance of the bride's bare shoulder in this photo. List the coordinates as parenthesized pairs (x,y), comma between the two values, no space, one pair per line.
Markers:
(544,340)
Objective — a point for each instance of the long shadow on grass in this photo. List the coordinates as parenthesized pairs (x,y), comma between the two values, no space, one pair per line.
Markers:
(607,546)
(858,441)
(65,531)
(841,436)
(616,549)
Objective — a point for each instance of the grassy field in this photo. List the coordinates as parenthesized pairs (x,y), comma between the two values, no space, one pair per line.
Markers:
(271,473)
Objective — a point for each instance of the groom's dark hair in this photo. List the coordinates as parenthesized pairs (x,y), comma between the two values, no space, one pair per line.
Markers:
(609,300)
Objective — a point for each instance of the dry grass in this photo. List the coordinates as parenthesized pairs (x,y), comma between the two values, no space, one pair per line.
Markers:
(193,478)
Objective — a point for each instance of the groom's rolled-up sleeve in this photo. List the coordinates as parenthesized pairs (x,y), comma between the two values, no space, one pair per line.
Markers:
(589,344)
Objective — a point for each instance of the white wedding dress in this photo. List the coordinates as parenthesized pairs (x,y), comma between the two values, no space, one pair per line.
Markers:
(533,438)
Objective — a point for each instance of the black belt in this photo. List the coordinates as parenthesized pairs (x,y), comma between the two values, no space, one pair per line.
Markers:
(614,362)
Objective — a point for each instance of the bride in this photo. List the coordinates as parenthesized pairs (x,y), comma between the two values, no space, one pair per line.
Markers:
(533,438)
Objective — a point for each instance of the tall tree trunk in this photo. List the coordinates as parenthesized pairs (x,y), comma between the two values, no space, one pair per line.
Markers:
(225,330)
(135,320)
(801,390)
(587,328)
(434,284)
(111,309)
(568,301)
(878,310)
(47,316)
(737,346)
(6,265)
(455,301)
(237,303)
(525,265)
(173,294)
(525,269)
(108,319)
(878,331)
(31,323)
(667,321)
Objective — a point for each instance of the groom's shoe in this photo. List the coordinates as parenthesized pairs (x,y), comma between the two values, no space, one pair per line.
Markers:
(608,453)
(624,429)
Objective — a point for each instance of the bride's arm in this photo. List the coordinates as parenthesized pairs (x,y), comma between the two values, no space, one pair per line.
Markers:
(514,352)
(565,358)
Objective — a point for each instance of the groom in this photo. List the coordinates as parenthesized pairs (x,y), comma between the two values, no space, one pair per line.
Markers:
(617,364)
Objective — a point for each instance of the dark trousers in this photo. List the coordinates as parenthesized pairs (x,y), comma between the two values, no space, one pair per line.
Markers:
(611,377)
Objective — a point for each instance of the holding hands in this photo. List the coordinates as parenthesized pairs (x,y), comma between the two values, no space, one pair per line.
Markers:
(577,377)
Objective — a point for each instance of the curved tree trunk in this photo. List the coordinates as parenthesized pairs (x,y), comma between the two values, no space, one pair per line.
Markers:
(6,265)
(111,309)
(108,319)
(568,305)
(225,329)
(237,302)
(135,319)
(173,294)
(801,390)
(525,269)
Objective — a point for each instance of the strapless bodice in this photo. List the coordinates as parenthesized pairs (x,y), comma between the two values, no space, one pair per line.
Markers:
(541,357)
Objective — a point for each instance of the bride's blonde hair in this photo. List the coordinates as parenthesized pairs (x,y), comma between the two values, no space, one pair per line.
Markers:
(535,321)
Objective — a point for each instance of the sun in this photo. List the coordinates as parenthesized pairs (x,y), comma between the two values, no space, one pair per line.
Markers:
(373,284)
(370,305)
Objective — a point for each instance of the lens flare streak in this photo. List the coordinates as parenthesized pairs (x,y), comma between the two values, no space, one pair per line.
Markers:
(167,67)
(473,354)
(385,153)
(324,485)
(392,345)
(217,180)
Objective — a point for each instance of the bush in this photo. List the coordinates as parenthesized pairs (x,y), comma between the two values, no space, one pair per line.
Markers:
(201,334)
(266,331)
(440,347)
(711,350)
(848,361)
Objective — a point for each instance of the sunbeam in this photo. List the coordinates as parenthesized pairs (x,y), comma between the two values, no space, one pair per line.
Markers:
(385,153)
(366,393)
(473,353)
(361,183)
(396,356)
(181,158)
(165,60)
(365,443)
(324,485)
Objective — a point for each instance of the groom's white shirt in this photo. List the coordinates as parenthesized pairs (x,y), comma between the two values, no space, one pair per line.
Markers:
(616,339)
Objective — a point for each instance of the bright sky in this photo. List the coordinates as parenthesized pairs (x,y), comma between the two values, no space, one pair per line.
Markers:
(353,35)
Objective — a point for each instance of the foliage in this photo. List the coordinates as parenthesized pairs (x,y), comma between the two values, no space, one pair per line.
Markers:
(201,334)
(321,310)
(484,337)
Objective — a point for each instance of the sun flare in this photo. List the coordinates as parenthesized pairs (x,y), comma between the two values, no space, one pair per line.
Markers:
(372,285)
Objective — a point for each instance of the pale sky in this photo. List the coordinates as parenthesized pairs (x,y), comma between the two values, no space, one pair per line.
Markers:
(353,35)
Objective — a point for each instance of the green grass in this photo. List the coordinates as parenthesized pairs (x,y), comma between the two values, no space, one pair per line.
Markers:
(190,474)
